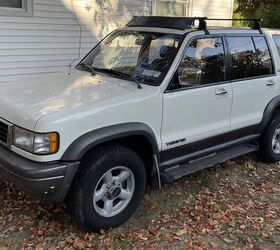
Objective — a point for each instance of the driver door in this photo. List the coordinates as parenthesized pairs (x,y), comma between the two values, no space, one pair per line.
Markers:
(197,105)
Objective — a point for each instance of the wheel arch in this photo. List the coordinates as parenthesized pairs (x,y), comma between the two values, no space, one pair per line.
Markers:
(270,110)
(136,136)
(91,139)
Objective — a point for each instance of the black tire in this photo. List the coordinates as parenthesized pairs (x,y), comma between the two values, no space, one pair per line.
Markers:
(267,152)
(80,199)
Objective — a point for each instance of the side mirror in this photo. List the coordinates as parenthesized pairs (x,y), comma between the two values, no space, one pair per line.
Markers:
(189,76)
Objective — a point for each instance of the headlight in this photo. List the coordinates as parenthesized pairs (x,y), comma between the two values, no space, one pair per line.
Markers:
(23,139)
(42,144)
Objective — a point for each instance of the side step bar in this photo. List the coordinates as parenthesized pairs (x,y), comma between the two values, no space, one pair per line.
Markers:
(171,174)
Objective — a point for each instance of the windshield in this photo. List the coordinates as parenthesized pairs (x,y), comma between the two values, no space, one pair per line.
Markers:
(142,57)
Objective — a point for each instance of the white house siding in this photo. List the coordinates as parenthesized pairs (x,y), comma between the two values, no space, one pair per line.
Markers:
(49,41)
(213,9)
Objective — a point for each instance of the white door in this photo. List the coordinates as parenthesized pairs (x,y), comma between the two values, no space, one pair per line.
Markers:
(254,82)
(197,105)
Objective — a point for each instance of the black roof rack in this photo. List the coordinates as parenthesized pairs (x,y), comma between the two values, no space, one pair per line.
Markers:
(257,23)
(182,23)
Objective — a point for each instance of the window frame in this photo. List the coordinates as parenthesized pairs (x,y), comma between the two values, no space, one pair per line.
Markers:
(226,57)
(25,11)
(133,30)
(230,57)
(276,36)
(188,6)
(231,61)
(270,54)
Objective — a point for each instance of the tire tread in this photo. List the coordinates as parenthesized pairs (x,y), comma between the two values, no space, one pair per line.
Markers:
(75,200)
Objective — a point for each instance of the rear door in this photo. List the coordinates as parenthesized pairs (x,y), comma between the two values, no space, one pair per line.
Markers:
(254,82)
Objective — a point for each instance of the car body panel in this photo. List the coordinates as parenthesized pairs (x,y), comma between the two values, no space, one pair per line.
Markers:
(194,114)
(75,103)
(80,104)
(24,102)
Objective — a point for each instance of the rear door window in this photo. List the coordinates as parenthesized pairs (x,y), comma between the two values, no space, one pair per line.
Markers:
(277,41)
(244,57)
(264,57)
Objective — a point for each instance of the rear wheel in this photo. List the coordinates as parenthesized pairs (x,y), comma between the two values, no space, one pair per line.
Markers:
(270,142)
(108,189)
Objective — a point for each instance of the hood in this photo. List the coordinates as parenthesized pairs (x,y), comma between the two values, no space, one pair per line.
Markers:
(24,102)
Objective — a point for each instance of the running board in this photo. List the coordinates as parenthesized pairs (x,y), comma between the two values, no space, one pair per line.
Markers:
(171,174)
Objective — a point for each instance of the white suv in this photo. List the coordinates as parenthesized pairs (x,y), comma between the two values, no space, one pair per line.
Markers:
(154,101)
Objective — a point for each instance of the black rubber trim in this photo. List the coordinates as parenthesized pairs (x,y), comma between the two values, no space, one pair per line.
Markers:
(208,151)
(215,143)
(268,113)
(178,23)
(180,170)
(96,137)
(30,169)
(49,180)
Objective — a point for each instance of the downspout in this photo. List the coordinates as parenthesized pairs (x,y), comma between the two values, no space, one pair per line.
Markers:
(232,8)
(80,35)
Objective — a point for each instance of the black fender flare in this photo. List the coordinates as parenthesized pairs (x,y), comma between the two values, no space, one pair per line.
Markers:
(268,113)
(84,143)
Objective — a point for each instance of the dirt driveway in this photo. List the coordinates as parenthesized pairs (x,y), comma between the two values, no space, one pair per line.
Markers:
(235,205)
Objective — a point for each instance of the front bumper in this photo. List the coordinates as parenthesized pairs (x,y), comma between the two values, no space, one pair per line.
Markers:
(49,181)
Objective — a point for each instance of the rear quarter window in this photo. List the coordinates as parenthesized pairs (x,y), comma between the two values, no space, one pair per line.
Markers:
(277,42)
(244,57)
(264,57)
(250,57)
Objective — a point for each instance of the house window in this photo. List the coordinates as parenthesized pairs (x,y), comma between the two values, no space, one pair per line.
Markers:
(172,7)
(16,7)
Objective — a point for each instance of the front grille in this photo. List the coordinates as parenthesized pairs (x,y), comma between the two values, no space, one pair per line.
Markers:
(4,128)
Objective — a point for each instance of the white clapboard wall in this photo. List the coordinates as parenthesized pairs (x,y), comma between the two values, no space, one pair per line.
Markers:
(49,40)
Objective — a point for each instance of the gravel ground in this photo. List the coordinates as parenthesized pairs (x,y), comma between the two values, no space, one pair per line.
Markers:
(234,205)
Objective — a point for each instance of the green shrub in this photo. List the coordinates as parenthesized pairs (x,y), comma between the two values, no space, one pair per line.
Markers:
(270,16)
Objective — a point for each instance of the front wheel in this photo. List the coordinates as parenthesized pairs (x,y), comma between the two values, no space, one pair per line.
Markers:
(108,189)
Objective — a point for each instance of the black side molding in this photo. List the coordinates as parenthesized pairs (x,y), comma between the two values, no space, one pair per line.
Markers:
(268,113)
(172,174)
(209,145)
(81,145)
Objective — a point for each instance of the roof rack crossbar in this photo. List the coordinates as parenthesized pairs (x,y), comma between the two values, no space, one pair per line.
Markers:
(183,23)
(257,22)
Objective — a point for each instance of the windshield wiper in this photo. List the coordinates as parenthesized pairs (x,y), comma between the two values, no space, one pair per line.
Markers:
(120,74)
(89,68)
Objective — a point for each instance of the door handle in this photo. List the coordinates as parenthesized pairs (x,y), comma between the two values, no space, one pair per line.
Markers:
(220,92)
(270,83)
